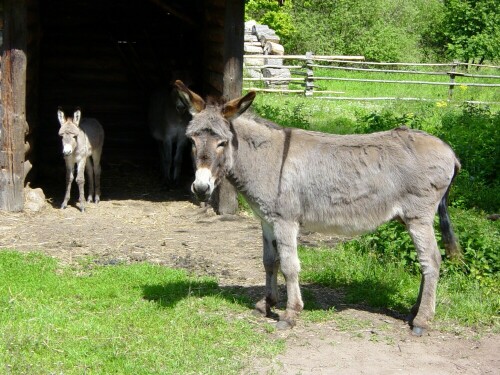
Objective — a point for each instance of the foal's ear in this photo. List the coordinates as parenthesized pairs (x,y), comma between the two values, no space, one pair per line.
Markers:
(77,116)
(60,116)
(193,101)
(236,107)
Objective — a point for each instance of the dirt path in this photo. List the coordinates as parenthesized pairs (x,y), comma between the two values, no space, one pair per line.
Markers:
(177,233)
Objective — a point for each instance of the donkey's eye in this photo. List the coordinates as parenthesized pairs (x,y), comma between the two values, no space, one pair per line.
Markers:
(222,144)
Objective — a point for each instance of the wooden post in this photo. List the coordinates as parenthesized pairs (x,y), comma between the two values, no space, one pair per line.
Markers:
(13,105)
(225,198)
(309,81)
(452,78)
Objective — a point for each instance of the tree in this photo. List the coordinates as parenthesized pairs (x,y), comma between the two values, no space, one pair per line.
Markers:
(270,13)
(471,30)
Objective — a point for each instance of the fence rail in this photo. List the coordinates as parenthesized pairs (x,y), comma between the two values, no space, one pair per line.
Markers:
(307,66)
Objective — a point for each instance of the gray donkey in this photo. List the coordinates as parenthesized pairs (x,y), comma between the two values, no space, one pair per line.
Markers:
(82,145)
(168,118)
(343,184)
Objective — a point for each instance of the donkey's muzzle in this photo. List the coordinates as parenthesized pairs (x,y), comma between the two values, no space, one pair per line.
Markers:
(202,191)
(203,185)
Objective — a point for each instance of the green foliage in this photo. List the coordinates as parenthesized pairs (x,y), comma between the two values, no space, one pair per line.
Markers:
(479,239)
(471,29)
(386,120)
(268,12)
(385,30)
(474,134)
(364,277)
(380,30)
(289,115)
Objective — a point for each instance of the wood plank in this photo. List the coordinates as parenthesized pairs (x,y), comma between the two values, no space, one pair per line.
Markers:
(12,109)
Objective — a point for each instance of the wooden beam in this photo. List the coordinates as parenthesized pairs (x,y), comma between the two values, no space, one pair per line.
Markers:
(233,48)
(13,106)
(225,201)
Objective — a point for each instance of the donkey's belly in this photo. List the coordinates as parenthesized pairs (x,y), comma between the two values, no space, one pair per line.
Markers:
(342,230)
(348,223)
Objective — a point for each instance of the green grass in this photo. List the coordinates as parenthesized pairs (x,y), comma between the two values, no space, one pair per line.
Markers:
(139,319)
(365,280)
(438,94)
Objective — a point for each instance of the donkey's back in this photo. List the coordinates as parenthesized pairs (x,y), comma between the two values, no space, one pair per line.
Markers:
(351,184)
(94,134)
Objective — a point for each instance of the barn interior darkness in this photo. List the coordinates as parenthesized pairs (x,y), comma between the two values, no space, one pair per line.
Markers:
(107,57)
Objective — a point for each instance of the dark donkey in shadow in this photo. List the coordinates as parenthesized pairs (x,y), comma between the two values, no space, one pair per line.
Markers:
(344,184)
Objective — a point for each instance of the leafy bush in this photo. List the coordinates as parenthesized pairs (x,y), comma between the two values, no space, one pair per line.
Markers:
(478,237)
(386,120)
(268,12)
(286,115)
(474,134)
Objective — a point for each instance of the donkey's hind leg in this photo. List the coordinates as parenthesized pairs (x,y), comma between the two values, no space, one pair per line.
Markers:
(89,169)
(422,234)
(271,265)
(96,162)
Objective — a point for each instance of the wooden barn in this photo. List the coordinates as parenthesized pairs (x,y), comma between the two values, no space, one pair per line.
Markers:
(106,57)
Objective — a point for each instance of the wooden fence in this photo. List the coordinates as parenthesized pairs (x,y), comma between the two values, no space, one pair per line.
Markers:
(303,67)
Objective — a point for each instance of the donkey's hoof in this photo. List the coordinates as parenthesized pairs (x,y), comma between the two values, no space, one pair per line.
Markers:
(63,206)
(283,325)
(417,331)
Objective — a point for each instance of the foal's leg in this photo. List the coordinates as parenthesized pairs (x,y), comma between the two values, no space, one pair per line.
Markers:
(96,161)
(80,180)
(422,234)
(271,265)
(70,165)
(90,177)
(286,238)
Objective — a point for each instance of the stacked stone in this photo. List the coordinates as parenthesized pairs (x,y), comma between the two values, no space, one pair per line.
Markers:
(261,40)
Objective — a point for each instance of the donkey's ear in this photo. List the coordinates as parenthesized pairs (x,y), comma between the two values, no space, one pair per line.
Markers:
(77,116)
(236,107)
(60,116)
(193,101)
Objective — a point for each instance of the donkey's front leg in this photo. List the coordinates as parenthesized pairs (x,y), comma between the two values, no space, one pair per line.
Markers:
(286,239)
(69,181)
(80,180)
(271,265)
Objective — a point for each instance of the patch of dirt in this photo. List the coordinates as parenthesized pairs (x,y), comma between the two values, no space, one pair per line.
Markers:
(143,223)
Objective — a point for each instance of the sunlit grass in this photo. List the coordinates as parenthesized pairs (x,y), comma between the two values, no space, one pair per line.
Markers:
(140,319)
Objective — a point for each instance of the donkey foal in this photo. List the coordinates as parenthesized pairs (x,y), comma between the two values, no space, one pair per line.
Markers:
(344,184)
(82,145)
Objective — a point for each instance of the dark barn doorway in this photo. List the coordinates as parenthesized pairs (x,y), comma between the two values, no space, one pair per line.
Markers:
(106,57)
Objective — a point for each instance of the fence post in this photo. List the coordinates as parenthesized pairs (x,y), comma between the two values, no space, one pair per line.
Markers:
(452,78)
(309,81)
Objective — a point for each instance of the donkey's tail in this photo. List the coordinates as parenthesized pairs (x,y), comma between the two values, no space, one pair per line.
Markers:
(450,241)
